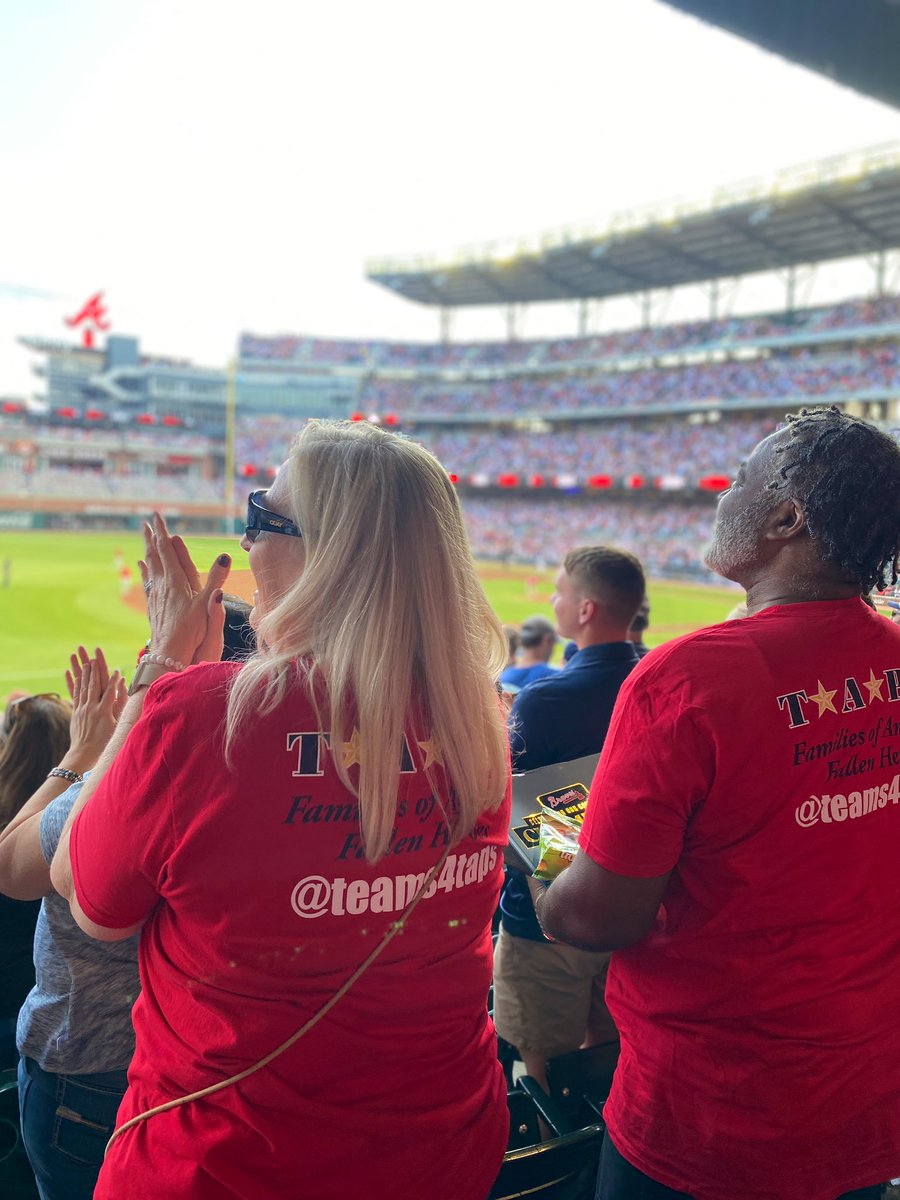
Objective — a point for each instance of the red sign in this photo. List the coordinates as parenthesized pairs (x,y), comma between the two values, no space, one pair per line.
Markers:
(92,317)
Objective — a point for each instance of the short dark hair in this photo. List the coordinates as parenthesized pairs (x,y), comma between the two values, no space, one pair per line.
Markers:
(846,474)
(641,620)
(534,630)
(611,578)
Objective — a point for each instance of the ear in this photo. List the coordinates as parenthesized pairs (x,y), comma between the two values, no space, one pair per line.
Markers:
(785,522)
(586,610)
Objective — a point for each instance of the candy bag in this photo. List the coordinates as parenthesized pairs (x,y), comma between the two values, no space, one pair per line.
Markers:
(557,844)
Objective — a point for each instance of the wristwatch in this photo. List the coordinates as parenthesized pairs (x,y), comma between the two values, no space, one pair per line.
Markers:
(145,674)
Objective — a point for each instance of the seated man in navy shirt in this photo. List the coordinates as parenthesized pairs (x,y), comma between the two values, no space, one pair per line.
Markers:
(548,998)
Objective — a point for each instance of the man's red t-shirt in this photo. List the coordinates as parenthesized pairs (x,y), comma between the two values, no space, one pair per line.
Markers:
(259,903)
(759,761)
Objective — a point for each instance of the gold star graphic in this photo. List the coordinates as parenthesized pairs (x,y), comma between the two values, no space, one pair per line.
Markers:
(432,752)
(350,749)
(873,686)
(823,698)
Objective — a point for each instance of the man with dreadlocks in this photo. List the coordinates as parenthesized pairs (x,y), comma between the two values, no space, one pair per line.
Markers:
(741,852)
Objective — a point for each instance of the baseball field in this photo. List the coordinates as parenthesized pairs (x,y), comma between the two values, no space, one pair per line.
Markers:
(61,589)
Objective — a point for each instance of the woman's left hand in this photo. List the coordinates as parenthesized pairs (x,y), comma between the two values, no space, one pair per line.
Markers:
(186,617)
(97,702)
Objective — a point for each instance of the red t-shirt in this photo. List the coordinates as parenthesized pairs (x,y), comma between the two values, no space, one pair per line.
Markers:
(259,903)
(759,761)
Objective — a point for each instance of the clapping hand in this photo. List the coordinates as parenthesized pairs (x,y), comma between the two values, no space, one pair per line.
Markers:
(97,702)
(186,618)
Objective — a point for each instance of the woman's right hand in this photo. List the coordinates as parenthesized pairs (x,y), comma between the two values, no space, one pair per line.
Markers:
(186,618)
(97,702)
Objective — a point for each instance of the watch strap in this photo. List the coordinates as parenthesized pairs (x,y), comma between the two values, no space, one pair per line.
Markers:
(145,674)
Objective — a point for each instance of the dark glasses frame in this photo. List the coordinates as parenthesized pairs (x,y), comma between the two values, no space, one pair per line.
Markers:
(262,520)
(18,705)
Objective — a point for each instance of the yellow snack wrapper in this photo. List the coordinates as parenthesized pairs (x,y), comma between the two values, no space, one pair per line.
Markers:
(557,844)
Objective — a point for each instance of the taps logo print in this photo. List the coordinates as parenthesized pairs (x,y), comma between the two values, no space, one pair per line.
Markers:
(93,317)
(849,695)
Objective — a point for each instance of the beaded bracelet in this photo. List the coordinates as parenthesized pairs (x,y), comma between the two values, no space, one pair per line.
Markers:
(160,660)
(64,773)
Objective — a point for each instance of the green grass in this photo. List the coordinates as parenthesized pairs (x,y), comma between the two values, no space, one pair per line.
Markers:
(65,590)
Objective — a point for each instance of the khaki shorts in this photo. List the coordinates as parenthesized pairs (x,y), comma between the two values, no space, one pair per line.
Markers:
(548,998)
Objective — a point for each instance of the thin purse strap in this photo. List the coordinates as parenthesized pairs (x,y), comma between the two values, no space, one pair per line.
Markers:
(393,929)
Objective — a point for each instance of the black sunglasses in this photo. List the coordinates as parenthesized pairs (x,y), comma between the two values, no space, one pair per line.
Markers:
(262,520)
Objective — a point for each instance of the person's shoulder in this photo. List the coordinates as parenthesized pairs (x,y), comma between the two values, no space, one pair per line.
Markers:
(694,642)
(689,654)
(190,700)
(194,681)
(552,680)
(542,690)
(529,676)
(54,817)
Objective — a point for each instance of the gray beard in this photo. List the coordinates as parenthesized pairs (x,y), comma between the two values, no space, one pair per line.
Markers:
(735,541)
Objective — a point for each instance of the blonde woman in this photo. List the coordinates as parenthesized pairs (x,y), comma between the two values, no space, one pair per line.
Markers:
(331,813)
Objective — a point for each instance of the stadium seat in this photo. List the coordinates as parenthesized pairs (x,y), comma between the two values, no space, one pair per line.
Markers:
(16,1178)
(508,1056)
(563,1167)
(580,1082)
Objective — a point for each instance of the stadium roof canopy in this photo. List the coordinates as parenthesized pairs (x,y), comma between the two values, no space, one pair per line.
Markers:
(838,208)
(856,42)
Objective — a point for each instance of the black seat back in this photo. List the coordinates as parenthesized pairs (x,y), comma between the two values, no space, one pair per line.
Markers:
(563,1167)
(16,1178)
(580,1081)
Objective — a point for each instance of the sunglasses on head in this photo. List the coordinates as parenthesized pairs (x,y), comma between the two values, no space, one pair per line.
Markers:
(17,706)
(262,520)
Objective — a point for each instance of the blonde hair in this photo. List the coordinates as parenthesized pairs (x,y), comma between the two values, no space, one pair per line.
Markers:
(390,612)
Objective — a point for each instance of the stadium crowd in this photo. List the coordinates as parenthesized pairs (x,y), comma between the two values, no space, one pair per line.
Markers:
(83,482)
(658,339)
(612,447)
(662,527)
(738,360)
(54,432)
(616,447)
(668,537)
(779,375)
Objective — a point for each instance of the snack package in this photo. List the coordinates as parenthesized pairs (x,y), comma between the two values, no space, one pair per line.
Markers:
(554,787)
(557,844)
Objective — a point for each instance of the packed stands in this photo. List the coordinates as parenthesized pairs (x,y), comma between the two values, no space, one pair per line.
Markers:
(623,437)
(866,314)
(807,373)
(651,446)
(53,458)
(667,537)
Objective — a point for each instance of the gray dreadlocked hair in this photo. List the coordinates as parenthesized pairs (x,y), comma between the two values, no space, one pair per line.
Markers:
(846,474)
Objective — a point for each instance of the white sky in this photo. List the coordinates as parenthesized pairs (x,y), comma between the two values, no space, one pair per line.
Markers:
(218,166)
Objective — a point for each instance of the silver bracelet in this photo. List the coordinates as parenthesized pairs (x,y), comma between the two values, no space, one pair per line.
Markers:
(64,773)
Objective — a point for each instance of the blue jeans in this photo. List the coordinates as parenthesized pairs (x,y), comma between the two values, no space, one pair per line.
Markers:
(66,1122)
(619,1180)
